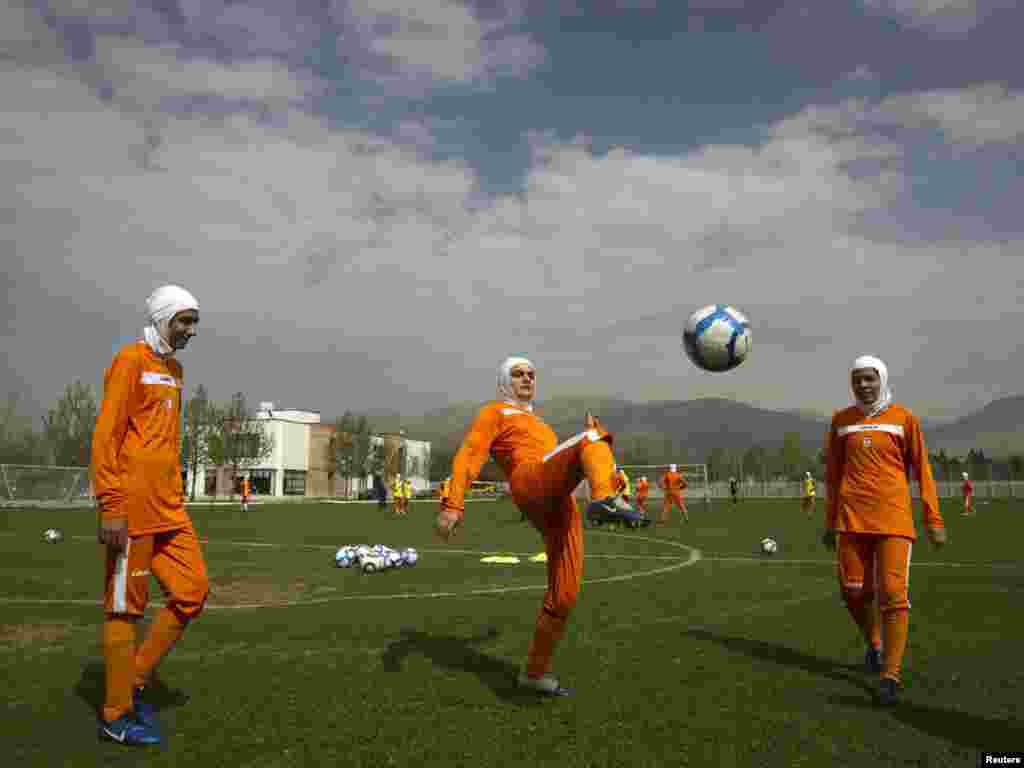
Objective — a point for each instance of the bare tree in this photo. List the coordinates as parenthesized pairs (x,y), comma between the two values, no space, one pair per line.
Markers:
(237,438)
(344,449)
(200,415)
(69,424)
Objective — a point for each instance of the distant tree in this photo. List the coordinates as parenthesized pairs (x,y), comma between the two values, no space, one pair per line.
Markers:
(238,439)
(1016,463)
(374,458)
(68,426)
(755,461)
(344,448)
(199,425)
(367,456)
(440,464)
(717,462)
(791,456)
(19,444)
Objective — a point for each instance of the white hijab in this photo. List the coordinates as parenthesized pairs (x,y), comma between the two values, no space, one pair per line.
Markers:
(884,392)
(505,391)
(161,307)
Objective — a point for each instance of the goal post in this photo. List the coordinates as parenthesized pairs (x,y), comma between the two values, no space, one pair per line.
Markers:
(24,485)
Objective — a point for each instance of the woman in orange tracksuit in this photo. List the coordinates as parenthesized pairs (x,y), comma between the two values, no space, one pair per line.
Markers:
(643,489)
(144,526)
(673,484)
(542,476)
(872,447)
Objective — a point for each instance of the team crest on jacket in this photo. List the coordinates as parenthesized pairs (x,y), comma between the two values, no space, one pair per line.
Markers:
(867,442)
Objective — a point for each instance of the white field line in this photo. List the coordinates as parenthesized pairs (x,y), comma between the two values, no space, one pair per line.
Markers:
(692,556)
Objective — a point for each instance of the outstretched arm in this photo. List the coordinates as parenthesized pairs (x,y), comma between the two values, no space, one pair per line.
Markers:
(466,467)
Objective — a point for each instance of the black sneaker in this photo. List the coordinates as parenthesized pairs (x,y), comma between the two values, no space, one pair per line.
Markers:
(613,509)
(887,692)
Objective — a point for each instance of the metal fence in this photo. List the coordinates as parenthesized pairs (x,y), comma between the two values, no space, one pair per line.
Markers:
(785,489)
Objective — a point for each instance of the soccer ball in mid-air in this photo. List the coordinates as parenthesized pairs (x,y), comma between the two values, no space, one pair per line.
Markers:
(769,546)
(717,338)
(52,536)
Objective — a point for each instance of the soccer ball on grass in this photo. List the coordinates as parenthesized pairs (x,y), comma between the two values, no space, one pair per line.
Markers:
(717,338)
(52,536)
(769,546)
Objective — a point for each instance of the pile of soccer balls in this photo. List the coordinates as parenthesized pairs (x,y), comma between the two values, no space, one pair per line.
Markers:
(52,536)
(376,558)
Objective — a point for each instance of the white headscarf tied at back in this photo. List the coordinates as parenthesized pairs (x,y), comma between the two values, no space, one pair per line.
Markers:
(884,392)
(505,391)
(161,306)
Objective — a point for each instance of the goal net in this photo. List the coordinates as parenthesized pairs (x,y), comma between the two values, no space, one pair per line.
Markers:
(696,475)
(24,485)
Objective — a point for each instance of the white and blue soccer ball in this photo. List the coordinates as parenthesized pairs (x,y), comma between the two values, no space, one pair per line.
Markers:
(717,338)
(410,556)
(52,536)
(769,546)
(344,557)
(393,559)
(372,563)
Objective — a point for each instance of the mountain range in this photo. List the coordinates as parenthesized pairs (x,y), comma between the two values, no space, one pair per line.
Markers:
(708,423)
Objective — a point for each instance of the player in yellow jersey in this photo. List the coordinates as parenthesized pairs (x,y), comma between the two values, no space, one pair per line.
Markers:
(809,496)
(406,496)
(873,447)
(396,495)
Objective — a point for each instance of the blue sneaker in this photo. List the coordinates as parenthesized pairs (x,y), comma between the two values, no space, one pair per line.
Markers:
(614,509)
(145,714)
(873,661)
(126,730)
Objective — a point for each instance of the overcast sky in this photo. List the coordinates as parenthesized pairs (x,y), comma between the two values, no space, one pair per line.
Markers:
(376,202)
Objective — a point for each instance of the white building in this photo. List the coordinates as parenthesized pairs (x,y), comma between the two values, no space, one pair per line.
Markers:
(301,462)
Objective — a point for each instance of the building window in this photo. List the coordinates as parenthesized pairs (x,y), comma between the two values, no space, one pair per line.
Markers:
(262,481)
(294,482)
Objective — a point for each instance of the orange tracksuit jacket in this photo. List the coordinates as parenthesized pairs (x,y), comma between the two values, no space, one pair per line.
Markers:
(512,435)
(673,484)
(136,450)
(868,464)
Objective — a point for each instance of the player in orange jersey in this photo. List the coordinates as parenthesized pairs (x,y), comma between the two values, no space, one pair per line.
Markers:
(622,484)
(246,491)
(643,490)
(136,469)
(873,447)
(542,476)
(967,489)
(674,485)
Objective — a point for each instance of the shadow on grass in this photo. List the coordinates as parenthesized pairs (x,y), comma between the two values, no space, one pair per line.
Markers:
(961,728)
(790,657)
(459,654)
(91,688)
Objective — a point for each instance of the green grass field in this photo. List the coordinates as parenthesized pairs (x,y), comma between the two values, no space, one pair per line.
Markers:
(686,648)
